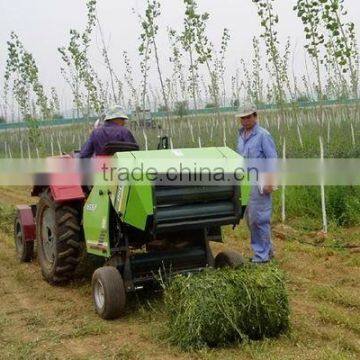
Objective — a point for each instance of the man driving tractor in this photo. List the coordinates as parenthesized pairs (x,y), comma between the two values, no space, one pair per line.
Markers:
(113,130)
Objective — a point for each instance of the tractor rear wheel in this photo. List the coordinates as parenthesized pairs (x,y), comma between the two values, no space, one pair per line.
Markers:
(24,249)
(230,259)
(59,244)
(108,292)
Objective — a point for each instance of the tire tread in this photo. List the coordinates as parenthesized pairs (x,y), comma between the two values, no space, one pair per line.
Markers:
(68,246)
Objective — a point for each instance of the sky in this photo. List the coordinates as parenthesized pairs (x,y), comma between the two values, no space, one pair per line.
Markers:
(43,26)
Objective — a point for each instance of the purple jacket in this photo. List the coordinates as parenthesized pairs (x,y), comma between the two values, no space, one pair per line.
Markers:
(109,132)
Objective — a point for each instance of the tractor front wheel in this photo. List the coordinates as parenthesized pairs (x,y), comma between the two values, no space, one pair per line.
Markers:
(108,292)
(231,259)
(59,242)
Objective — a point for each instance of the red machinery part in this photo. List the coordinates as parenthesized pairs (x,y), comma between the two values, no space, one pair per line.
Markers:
(66,179)
(63,177)
(66,186)
(27,222)
(61,193)
(67,193)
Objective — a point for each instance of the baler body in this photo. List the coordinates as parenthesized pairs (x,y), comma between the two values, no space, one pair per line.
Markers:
(138,189)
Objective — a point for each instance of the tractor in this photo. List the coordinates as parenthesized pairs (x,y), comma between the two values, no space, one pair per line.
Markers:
(138,230)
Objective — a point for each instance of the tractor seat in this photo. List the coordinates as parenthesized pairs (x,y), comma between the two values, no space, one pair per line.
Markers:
(112,148)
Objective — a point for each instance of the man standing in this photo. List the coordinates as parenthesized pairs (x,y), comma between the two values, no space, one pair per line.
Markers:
(113,130)
(256,143)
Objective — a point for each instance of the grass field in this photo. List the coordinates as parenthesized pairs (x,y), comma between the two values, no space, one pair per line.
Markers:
(316,229)
(39,321)
(323,272)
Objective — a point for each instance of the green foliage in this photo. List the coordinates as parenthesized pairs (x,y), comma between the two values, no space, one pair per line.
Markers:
(34,132)
(133,98)
(344,205)
(219,307)
(148,36)
(22,70)
(342,47)
(196,42)
(187,39)
(220,63)
(147,41)
(181,108)
(300,201)
(303,98)
(340,44)
(55,104)
(277,63)
(236,103)
(253,82)
(78,71)
(258,83)
(176,57)
(163,108)
(210,106)
(309,12)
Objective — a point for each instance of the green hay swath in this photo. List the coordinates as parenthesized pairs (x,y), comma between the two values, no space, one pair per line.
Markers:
(219,307)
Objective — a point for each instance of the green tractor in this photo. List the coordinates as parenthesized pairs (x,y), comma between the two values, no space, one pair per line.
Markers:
(138,228)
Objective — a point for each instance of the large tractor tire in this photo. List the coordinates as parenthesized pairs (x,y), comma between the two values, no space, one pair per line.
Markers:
(108,291)
(59,243)
(231,259)
(24,249)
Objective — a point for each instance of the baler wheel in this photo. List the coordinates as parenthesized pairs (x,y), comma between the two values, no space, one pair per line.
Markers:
(230,259)
(108,292)
(24,249)
(58,234)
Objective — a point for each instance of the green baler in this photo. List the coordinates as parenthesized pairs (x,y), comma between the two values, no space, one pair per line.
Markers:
(141,223)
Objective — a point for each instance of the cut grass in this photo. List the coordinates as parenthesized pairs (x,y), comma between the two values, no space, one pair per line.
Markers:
(329,314)
(126,352)
(335,296)
(219,307)
(34,320)
(89,328)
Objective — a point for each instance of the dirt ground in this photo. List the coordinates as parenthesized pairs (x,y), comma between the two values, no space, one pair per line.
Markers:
(39,321)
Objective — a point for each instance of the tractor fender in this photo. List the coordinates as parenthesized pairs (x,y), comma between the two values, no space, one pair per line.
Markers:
(61,193)
(65,193)
(27,221)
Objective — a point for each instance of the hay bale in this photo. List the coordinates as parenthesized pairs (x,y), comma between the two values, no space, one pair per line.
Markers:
(219,307)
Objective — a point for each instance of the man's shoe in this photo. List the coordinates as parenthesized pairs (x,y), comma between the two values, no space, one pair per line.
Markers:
(257,262)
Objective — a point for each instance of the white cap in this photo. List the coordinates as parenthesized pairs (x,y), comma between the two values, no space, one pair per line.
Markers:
(246,110)
(116,112)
